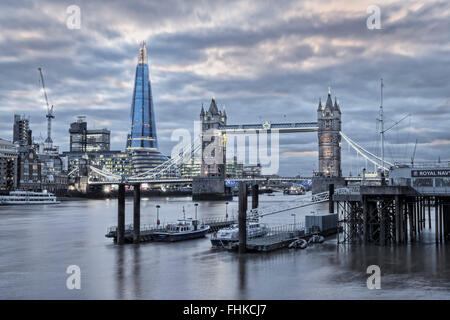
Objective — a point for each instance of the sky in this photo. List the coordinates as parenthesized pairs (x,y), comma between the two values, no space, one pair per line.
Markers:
(263,60)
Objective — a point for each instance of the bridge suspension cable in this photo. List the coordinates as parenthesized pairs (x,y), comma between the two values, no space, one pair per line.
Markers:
(186,153)
(261,212)
(366,154)
(105,173)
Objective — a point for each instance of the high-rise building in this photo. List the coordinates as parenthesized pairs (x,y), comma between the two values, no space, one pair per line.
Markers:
(84,140)
(142,143)
(8,166)
(21,130)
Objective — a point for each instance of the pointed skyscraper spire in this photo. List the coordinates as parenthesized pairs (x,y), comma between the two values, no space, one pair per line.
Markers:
(142,142)
(143,58)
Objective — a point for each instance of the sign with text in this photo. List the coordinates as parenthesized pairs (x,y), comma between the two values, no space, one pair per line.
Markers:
(430,173)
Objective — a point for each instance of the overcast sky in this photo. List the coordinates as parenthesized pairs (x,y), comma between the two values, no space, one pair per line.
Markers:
(263,60)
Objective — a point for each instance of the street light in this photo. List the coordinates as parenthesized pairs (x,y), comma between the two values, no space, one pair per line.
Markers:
(196,205)
(157,214)
(293,214)
(226,210)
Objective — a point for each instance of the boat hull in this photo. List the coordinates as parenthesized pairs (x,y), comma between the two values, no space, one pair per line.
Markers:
(172,237)
(222,242)
(13,203)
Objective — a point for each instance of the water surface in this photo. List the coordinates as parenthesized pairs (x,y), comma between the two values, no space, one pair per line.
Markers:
(37,243)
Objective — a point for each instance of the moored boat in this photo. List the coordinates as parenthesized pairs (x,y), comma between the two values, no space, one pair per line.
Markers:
(184,229)
(228,236)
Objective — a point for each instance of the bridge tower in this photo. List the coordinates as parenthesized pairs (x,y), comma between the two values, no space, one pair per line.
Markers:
(210,184)
(329,126)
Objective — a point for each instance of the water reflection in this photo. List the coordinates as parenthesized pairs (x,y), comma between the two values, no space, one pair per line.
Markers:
(73,232)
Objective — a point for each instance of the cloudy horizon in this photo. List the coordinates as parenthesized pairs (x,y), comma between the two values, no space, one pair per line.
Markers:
(263,60)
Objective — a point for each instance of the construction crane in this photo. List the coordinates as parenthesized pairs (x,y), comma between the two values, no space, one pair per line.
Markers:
(49,116)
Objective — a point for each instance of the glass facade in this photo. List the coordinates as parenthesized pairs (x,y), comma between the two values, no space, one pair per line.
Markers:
(142,143)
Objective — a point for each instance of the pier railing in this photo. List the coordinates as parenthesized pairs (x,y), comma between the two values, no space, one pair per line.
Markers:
(277,234)
(216,220)
(130,228)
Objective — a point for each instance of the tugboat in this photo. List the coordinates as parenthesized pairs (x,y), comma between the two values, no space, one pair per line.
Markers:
(227,236)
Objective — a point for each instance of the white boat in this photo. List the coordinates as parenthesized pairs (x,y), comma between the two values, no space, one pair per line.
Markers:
(227,236)
(28,197)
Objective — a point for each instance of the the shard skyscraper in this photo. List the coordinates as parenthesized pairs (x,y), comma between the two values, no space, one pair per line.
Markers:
(142,143)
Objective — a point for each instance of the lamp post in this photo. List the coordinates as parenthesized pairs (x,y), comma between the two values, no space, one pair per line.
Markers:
(226,210)
(157,215)
(293,214)
(196,205)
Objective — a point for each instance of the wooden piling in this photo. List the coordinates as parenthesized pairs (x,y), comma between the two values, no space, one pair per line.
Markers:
(441,233)
(330,197)
(429,212)
(436,218)
(417,215)
(411,222)
(242,217)
(365,218)
(255,196)
(397,219)
(121,214)
(137,213)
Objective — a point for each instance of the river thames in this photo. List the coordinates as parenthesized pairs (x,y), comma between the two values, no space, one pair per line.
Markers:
(38,243)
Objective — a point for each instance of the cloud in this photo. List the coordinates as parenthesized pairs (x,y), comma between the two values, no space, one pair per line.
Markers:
(299,154)
(264,60)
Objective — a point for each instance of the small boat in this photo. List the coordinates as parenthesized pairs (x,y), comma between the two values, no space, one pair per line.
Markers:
(227,236)
(28,197)
(316,239)
(184,229)
(299,243)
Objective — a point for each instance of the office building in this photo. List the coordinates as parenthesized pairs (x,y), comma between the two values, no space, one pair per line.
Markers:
(22,134)
(83,139)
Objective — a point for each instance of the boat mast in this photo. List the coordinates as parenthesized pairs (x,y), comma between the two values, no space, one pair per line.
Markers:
(381,119)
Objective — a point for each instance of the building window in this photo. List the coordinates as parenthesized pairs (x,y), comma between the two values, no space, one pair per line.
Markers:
(423,182)
(442,182)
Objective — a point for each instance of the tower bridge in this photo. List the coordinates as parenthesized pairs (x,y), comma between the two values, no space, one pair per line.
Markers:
(214,128)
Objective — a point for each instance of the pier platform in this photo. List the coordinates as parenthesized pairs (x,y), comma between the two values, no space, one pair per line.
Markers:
(148,231)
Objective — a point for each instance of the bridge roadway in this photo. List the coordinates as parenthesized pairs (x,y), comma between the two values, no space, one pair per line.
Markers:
(267,127)
(189,180)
